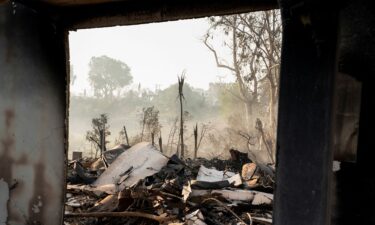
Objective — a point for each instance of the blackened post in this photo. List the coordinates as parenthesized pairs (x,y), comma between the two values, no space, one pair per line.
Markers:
(126,136)
(195,140)
(304,156)
(102,141)
(161,143)
(102,146)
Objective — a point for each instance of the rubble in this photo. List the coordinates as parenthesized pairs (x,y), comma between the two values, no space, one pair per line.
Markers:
(111,154)
(143,186)
(129,167)
(250,197)
(195,218)
(79,173)
(213,175)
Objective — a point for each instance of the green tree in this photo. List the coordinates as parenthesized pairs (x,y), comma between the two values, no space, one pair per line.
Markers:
(108,75)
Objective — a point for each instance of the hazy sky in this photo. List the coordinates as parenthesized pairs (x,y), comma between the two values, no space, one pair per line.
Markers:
(156,53)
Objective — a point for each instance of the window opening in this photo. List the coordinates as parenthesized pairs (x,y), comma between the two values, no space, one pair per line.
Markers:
(174,121)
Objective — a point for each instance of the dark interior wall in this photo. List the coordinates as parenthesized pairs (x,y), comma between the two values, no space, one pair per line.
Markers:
(356,57)
(32,117)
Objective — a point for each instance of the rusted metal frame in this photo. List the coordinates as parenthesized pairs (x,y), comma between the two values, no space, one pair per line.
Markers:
(304,145)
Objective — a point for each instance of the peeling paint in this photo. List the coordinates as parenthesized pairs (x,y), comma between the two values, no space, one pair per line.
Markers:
(4,197)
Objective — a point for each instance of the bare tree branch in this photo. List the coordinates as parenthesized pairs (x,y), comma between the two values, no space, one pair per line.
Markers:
(216,57)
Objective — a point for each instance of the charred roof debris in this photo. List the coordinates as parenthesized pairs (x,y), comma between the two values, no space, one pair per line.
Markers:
(143,186)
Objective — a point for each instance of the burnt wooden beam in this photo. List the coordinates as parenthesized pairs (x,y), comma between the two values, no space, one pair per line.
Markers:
(304,145)
(130,12)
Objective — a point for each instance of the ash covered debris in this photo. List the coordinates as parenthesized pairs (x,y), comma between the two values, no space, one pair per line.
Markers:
(143,186)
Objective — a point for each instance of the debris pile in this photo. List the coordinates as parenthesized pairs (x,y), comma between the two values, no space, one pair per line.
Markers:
(143,186)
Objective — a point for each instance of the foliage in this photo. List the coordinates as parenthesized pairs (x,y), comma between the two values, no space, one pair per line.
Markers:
(107,75)
(150,122)
(99,125)
(196,101)
(227,98)
(254,40)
